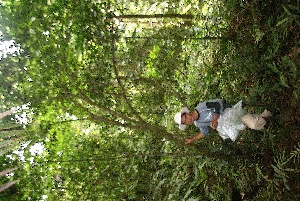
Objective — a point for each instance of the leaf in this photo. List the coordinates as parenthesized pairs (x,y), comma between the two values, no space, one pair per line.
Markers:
(274,68)
(187,193)
(258,35)
(193,199)
(283,81)
(282,21)
(161,182)
(203,177)
(286,10)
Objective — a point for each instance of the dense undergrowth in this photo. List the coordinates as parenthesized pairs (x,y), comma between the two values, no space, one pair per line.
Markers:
(266,58)
(257,61)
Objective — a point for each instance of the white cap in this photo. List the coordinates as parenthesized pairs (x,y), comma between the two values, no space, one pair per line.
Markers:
(177,117)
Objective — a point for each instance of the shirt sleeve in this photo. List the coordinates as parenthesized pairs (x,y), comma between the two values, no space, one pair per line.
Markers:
(204,130)
(214,105)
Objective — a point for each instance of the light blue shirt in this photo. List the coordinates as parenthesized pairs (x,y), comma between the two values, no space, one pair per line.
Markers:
(206,115)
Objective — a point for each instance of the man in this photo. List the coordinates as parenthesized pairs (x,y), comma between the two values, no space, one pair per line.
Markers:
(212,114)
(205,115)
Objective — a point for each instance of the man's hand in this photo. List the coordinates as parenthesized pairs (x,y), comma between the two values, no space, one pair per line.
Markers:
(214,122)
(188,141)
(197,137)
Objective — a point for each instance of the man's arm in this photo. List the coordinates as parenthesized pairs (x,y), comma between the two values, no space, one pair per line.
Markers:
(197,137)
(217,107)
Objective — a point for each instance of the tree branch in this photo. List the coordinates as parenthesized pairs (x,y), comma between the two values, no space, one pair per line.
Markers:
(95,117)
(160,85)
(7,185)
(119,80)
(6,113)
(3,173)
(110,111)
(7,143)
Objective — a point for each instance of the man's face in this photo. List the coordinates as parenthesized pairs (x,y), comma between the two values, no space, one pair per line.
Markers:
(186,118)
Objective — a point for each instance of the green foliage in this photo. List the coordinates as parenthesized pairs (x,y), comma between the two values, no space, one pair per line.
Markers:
(105,79)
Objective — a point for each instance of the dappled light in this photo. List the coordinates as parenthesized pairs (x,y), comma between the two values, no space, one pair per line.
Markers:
(99,82)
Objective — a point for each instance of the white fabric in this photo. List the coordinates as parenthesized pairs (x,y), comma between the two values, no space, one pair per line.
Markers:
(177,118)
(229,124)
(254,121)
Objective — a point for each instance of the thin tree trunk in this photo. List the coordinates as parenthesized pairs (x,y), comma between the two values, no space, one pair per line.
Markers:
(10,142)
(6,113)
(10,133)
(3,173)
(11,127)
(113,49)
(7,185)
(182,16)
(175,38)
